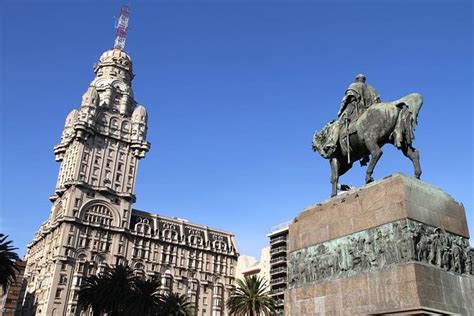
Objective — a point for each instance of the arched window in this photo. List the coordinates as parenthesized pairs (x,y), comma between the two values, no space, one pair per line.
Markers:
(170,234)
(139,266)
(114,126)
(220,245)
(125,126)
(99,214)
(195,240)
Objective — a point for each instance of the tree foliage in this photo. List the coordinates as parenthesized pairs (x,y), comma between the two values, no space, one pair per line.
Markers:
(8,257)
(177,305)
(251,298)
(118,292)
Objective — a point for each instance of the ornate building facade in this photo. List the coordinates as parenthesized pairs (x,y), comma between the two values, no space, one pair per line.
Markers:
(92,222)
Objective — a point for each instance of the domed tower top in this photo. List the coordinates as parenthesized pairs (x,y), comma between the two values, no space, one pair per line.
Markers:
(113,60)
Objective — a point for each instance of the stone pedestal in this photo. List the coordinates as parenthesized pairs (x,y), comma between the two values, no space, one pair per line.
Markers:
(395,246)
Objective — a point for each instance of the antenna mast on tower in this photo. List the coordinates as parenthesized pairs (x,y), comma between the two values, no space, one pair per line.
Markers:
(122,27)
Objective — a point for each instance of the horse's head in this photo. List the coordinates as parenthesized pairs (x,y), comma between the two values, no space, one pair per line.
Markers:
(324,142)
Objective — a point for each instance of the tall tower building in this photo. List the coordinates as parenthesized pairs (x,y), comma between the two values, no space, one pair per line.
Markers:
(92,222)
(99,150)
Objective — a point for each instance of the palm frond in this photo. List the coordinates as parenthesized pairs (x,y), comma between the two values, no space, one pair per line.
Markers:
(8,258)
(251,297)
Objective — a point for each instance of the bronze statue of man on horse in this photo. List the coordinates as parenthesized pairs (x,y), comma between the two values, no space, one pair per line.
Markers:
(363,126)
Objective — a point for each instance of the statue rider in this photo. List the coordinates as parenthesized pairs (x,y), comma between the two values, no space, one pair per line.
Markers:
(358,97)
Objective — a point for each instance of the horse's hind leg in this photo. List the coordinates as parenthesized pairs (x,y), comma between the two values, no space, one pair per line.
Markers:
(375,153)
(414,156)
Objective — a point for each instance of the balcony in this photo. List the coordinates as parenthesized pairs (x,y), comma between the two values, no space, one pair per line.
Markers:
(278,291)
(278,280)
(278,240)
(278,250)
(278,260)
(280,303)
(278,270)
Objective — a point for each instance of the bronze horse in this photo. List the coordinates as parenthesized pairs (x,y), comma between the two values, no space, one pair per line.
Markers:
(382,123)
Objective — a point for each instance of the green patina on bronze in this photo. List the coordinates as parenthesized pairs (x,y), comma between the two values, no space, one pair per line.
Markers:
(363,126)
(380,248)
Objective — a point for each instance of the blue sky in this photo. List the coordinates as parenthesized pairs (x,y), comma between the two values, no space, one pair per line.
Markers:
(234,92)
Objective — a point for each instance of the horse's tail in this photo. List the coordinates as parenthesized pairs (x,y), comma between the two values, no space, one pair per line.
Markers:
(414,102)
(404,132)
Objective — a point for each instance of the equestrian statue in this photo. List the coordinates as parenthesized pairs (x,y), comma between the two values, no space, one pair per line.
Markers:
(363,126)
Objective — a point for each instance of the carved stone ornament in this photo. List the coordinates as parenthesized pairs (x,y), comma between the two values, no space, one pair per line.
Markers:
(379,248)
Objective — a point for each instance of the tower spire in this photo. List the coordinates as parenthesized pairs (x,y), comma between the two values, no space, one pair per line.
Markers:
(122,27)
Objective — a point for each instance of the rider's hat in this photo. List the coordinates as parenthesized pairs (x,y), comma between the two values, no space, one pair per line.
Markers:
(360,76)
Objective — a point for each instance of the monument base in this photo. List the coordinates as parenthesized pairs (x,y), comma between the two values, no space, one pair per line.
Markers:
(396,246)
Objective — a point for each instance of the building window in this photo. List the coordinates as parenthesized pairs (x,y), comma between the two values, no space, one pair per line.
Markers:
(99,214)
(62,279)
(58,293)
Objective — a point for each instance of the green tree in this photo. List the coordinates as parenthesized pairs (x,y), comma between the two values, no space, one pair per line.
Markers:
(109,292)
(145,298)
(177,305)
(251,297)
(90,293)
(8,259)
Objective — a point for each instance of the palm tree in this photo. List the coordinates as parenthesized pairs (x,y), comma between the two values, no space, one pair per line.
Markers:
(145,298)
(8,259)
(109,292)
(90,293)
(177,305)
(251,298)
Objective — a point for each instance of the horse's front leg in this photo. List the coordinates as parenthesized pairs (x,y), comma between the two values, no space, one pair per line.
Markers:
(375,153)
(334,175)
